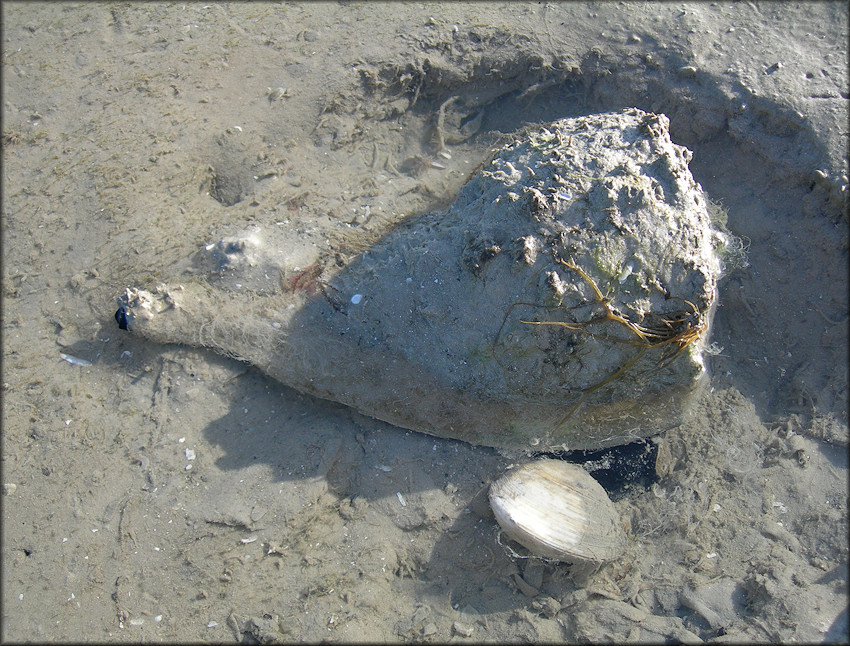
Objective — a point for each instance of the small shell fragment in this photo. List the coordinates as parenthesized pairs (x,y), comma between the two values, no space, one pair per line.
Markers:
(276,94)
(558,511)
(74,360)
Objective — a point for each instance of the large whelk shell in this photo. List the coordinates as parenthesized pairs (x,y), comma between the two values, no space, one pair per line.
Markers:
(568,287)
(558,511)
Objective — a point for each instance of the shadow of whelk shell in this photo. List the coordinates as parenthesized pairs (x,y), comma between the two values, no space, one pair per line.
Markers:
(562,301)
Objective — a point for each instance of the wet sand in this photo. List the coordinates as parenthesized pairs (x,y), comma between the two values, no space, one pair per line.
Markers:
(166,493)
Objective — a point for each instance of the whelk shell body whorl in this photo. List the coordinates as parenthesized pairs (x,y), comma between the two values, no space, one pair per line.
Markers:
(580,259)
(558,511)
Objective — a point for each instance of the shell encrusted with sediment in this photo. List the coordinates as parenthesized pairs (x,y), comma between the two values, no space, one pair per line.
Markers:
(563,300)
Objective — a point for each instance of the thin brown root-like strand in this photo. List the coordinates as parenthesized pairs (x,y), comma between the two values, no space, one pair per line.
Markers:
(586,391)
(571,265)
(571,411)
(578,327)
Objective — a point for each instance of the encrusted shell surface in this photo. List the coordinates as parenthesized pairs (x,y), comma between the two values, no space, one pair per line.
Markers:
(558,511)
(448,324)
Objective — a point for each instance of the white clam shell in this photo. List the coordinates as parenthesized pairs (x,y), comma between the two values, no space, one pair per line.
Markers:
(558,511)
